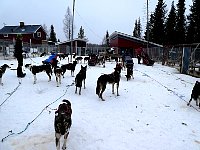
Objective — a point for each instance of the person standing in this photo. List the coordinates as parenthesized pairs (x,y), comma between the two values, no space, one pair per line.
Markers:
(18,54)
(139,52)
(139,58)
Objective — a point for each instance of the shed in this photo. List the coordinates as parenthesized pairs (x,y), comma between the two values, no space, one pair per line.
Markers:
(79,46)
(124,43)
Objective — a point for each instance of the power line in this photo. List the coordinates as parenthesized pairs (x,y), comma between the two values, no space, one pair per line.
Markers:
(88,26)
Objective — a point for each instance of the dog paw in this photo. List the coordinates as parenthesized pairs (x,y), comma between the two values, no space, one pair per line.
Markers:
(2,84)
(64,147)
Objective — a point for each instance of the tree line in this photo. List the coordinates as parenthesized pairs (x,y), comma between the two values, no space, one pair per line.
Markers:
(173,28)
(163,28)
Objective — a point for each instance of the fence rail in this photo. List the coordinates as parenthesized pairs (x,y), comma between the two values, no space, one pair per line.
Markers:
(177,55)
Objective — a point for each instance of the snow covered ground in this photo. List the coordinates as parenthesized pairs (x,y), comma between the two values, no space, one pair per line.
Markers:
(151,112)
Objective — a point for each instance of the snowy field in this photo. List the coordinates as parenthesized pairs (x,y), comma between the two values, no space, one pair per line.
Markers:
(151,112)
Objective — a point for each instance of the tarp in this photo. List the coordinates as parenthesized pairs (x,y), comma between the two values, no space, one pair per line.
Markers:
(185,60)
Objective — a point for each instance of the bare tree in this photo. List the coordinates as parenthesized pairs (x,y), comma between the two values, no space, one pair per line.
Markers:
(68,23)
(46,30)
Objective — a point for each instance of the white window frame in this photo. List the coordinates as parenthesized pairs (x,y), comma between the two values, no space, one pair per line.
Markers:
(5,35)
(39,34)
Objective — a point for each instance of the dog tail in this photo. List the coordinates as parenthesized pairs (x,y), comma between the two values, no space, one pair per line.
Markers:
(98,87)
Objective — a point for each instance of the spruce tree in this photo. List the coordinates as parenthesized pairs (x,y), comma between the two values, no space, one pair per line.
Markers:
(150,26)
(139,28)
(158,24)
(52,35)
(107,39)
(81,33)
(193,28)
(181,23)
(170,26)
(135,34)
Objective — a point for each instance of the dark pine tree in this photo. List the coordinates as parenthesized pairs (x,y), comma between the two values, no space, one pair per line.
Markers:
(135,34)
(158,24)
(193,28)
(81,33)
(149,36)
(170,26)
(139,28)
(52,35)
(180,23)
(107,39)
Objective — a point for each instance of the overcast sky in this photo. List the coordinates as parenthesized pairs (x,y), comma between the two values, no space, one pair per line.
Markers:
(95,16)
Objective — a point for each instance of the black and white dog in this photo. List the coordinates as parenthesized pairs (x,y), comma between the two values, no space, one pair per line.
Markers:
(37,69)
(2,71)
(58,73)
(62,123)
(79,59)
(195,94)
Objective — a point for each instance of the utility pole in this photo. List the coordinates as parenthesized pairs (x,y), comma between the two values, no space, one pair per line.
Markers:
(72,31)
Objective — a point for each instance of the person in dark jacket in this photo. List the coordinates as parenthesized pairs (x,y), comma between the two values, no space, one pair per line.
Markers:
(18,54)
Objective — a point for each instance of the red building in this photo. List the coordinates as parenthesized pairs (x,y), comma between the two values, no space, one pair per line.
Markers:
(126,43)
(32,34)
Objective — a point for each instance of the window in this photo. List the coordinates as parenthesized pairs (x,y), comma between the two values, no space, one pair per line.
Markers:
(5,35)
(38,34)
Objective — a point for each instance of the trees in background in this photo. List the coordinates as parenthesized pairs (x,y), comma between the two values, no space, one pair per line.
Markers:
(137,29)
(158,21)
(193,26)
(67,22)
(175,28)
(106,41)
(46,30)
(81,33)
(180,23)
(52,35)
(170,26)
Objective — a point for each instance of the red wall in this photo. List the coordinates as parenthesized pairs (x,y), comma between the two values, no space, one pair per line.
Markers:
(124,43)
(27,37)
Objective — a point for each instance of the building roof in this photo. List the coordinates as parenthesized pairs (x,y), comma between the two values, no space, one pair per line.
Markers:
(130,37)
(26,29)
(76,39)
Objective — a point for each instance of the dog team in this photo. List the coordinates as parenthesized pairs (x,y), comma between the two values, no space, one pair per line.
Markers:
(63,120)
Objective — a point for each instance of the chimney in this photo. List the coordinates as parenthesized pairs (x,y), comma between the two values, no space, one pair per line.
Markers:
(21,24)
